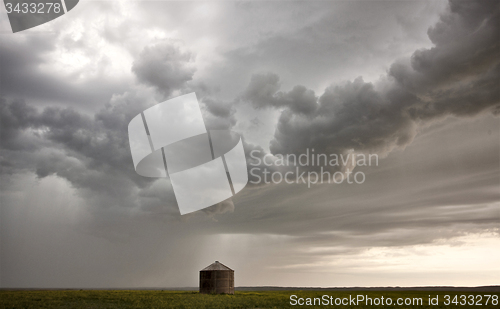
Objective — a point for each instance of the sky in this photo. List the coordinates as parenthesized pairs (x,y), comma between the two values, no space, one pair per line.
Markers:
(414,82)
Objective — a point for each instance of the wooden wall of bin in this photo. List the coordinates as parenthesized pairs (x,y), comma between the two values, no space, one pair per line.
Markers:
(217,281)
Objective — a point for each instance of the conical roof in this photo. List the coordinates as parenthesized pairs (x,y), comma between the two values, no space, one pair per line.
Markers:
(217,266)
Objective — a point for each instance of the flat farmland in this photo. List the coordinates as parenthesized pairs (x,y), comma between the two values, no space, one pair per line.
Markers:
(14,299)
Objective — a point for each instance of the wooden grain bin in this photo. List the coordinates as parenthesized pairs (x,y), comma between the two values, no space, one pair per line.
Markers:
(217,279)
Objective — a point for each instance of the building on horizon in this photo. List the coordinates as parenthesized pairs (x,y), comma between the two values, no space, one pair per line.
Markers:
(217,278)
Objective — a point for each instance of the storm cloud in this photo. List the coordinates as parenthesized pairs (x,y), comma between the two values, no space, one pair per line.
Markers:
(457,77)
(414,82)
(165,66)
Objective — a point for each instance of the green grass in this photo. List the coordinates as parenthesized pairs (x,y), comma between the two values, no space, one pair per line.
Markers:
(185,299)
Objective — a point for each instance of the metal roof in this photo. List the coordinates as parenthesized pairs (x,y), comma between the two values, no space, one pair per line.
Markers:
(217,266)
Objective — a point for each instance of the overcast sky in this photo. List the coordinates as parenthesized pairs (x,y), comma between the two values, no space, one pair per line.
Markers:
(415,82)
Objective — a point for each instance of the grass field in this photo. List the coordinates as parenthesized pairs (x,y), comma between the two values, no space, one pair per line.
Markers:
(187,299)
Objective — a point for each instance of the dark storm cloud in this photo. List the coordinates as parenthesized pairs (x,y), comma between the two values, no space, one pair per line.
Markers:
(91,153)
(353,116)
(459,76)
(326,42)
(22,75)
(217,114)
(379,118)
(168,67)
(164,66)
(14,117)
(431,191)
(445,183)
(262,91)
(219,109)
(466,45)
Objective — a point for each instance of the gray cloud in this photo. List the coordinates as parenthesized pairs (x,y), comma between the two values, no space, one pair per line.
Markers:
(75,213)
(91,153)
(217,114)
(164,66)
(432,185)
(262,91)
(24,74)
(458,76)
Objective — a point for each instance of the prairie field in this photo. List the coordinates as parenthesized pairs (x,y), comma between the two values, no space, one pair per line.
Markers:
(14,299)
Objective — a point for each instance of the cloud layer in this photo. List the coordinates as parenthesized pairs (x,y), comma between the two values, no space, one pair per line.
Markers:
(428,103)
(456,77)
